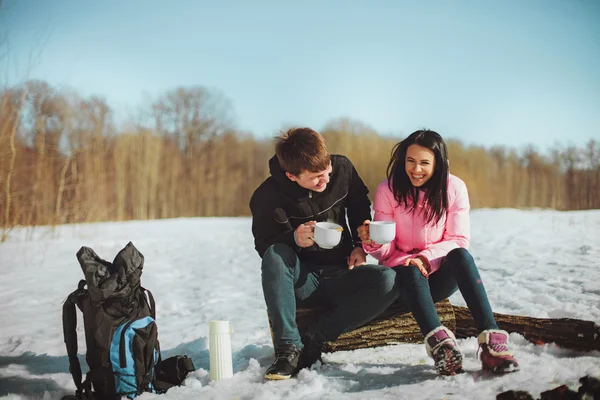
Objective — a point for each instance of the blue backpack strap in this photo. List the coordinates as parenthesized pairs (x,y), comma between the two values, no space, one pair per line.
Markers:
(152,306)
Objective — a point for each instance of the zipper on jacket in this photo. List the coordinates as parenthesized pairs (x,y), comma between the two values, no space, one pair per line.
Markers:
(310,195)
(413,229)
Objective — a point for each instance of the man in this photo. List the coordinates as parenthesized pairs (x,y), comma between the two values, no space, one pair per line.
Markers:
(308,185)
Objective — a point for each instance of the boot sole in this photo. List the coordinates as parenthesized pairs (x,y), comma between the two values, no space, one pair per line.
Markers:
(277,377)
(505,368)
(452,363)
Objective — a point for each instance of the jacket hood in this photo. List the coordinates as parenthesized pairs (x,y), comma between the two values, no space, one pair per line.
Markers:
(290,188)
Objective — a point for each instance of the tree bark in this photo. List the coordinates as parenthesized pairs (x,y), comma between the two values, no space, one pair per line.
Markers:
(569,333)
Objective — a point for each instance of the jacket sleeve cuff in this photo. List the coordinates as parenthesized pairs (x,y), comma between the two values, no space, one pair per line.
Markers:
(372,248)
(290,239)
(434,263)
(426,254)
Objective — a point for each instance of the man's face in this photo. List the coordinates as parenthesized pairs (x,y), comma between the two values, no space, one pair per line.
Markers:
(315,181)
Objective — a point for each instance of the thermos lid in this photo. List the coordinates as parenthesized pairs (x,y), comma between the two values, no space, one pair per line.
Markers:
(218,327)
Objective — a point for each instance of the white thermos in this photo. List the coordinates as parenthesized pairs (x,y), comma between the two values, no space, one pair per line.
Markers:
(221,366)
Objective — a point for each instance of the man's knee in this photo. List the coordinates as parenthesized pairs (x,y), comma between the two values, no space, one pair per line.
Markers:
(383,277)
(388,279)
(277,257)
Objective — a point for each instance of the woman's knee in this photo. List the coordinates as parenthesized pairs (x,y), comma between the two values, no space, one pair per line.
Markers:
(460,256)
(460,260)
(409,276)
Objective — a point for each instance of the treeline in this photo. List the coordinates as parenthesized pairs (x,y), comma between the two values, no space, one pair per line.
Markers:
(64,160)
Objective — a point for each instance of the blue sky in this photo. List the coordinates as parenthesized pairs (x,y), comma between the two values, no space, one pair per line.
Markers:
(508,72)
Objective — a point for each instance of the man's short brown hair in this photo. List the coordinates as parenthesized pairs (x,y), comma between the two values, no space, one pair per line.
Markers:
(302,149)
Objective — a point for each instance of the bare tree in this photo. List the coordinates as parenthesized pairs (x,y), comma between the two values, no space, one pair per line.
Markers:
(194,117)
(191,115)
(592,181)
(9,115)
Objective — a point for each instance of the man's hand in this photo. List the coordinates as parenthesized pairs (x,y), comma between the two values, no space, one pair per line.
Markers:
(357,258)
(304,234)
(420,262)
(363,232)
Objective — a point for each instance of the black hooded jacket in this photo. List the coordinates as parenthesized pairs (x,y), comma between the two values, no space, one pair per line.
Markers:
(279,206)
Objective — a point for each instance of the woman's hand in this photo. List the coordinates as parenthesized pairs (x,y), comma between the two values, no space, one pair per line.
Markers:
(363,232)
(357,258)
(420,262)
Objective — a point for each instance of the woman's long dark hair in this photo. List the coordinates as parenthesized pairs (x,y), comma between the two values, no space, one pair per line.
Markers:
(436,188)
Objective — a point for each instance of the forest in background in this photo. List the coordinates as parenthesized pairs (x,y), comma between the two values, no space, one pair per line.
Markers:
(63,159)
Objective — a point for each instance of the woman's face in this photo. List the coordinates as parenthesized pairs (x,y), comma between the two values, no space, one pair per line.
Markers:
(419,164)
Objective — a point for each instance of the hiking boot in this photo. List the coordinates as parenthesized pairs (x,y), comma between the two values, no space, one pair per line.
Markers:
(287,357)
(441,346)
(495,355)
(314,343)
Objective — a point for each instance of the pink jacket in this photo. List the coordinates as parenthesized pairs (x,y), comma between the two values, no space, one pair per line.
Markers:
(413,236)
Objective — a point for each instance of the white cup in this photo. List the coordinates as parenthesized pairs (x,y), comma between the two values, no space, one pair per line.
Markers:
(221,365)
(382,232)
(327,234)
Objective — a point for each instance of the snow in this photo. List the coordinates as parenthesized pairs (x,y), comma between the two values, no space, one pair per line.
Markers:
(538,263)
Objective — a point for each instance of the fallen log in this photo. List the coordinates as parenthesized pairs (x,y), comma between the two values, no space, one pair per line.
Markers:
(568,333)
(396,325)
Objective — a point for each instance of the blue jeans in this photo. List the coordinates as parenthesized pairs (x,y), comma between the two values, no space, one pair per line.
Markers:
(458,271)
(356,295)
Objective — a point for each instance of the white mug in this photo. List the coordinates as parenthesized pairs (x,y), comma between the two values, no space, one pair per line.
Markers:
(382,232)
(327,234)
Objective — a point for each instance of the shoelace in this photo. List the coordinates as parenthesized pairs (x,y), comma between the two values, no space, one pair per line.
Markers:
(496,347)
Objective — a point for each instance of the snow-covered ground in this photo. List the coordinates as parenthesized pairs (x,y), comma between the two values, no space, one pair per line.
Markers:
(537,263)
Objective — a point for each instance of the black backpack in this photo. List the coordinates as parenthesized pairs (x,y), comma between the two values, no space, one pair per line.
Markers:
(123,352)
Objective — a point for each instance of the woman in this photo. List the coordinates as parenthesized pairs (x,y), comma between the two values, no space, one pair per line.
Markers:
(429,254)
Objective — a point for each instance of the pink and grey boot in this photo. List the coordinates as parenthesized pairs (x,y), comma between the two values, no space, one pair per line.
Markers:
(441,346)
(496,356)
